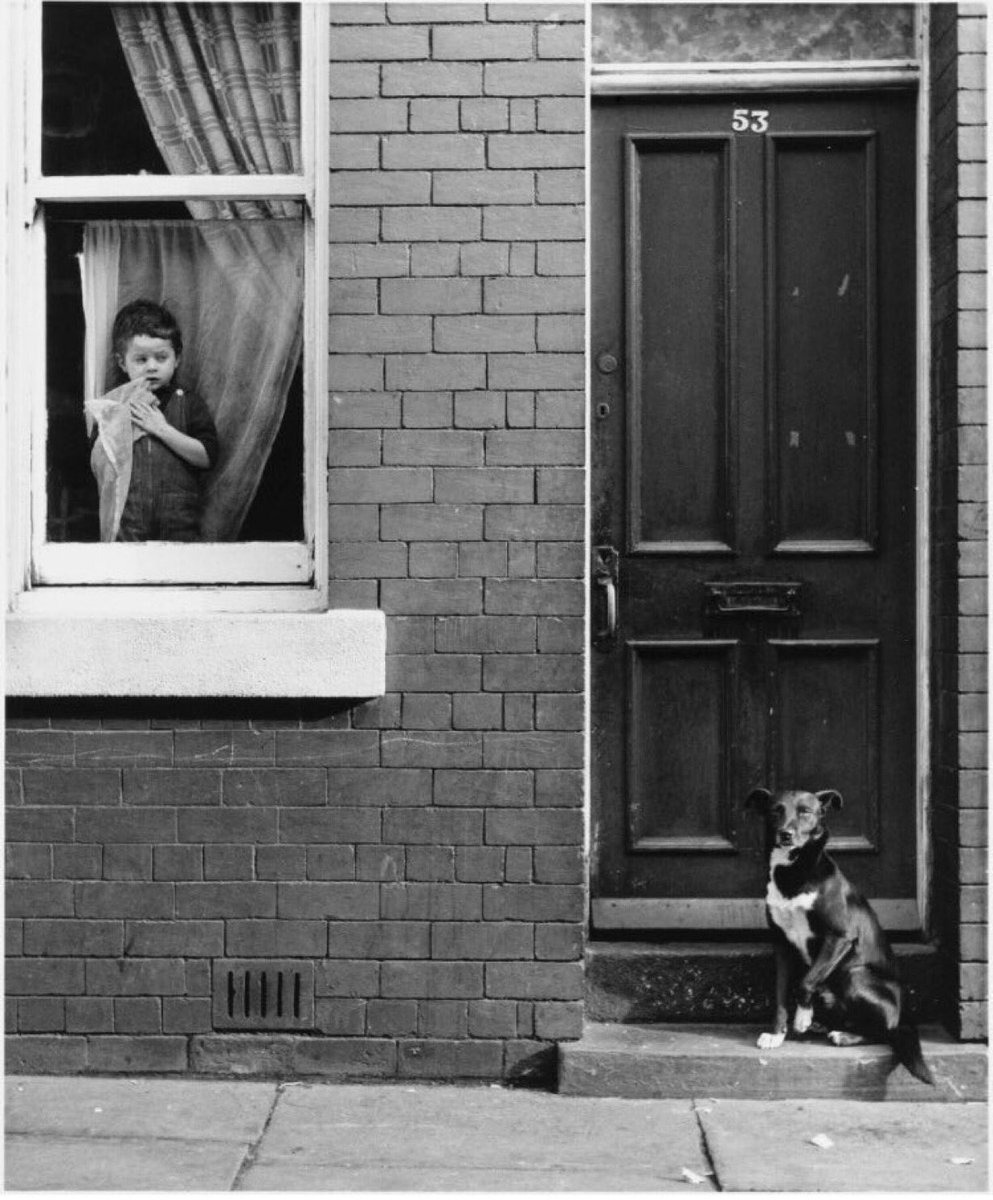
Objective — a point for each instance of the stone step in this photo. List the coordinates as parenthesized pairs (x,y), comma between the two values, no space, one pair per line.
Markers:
(723,983)
(722,1062)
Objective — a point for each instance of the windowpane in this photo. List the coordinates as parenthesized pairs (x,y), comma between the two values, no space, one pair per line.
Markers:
(171,88)
(682,33)
(235,292)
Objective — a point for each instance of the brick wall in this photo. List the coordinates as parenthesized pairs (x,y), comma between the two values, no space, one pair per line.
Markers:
(958,245)
(457,497)
(425,850)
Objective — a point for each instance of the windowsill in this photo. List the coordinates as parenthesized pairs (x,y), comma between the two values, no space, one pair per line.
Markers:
(51,651)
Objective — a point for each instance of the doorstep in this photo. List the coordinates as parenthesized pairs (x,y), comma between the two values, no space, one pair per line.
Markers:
(720,983)
(723,1062)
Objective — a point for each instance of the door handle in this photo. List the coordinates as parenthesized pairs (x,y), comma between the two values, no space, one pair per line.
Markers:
(610,590)
(605,576)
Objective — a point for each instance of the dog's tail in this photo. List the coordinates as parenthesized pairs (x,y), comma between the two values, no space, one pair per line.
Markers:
(906,1045)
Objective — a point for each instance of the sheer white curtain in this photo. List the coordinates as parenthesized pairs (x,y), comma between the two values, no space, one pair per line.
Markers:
(236,290)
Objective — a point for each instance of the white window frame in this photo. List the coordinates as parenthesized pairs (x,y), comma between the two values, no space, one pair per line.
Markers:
(196,612)
(141,564)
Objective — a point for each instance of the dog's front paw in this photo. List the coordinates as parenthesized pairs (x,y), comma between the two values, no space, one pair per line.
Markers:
(803,1018)
(771,1041)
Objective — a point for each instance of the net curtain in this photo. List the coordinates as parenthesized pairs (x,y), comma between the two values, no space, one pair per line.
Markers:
(236,290)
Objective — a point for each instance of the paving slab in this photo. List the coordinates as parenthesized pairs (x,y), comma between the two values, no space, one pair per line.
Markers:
(430,1137)
(55,1163)
(280,1176)
(89,1133)
(894,1147)
(86,1106)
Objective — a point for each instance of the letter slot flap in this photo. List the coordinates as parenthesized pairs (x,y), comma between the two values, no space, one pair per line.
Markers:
(752,598)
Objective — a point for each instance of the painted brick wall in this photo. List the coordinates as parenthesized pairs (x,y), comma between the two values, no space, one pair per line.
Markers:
(457,498)
(958,192)
(972,515)
(425,850)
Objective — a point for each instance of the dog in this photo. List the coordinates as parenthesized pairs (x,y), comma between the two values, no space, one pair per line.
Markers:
(827,924)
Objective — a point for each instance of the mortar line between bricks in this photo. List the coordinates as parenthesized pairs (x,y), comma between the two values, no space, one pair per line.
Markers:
(252,1152)
(705,1148)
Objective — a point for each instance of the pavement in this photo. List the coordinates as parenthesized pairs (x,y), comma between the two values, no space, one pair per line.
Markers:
(134,1134)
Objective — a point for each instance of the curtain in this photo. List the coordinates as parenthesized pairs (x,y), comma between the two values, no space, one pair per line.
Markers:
(236,290)
(220,86)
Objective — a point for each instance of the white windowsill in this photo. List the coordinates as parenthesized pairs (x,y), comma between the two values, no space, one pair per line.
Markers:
(336,653)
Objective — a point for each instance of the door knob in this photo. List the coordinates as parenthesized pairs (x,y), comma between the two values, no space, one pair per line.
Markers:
(606,363)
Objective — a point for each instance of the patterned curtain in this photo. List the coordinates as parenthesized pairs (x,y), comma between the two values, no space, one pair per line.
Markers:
(236,290)
(220,86)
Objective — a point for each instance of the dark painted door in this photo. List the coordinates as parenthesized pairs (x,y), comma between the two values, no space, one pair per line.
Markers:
(754,469)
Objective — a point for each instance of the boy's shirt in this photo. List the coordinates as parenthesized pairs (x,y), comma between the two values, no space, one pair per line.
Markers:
(186,411)
(130,464)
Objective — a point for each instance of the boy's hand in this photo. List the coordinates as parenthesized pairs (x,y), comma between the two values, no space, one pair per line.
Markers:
(147,415)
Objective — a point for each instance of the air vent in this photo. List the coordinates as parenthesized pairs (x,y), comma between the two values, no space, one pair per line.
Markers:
(263,994)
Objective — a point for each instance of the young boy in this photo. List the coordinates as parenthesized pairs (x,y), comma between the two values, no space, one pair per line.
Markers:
(153,440)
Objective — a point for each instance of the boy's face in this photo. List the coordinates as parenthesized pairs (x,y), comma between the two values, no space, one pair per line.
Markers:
(149,358)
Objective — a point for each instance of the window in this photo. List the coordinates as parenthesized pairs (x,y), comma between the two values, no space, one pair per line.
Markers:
(173,154)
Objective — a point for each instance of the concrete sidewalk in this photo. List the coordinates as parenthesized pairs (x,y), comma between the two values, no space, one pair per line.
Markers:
(205,1135)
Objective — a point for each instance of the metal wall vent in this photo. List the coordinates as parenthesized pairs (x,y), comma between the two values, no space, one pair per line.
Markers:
(263,994)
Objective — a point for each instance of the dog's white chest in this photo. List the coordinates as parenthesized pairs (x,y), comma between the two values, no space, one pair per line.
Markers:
(792,915)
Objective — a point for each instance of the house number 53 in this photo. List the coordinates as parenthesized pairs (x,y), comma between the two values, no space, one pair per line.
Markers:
(750,120)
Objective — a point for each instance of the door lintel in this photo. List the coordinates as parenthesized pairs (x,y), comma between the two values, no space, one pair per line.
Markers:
(663,78)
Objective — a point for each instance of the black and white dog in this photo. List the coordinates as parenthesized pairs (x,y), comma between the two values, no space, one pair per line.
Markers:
(849,971)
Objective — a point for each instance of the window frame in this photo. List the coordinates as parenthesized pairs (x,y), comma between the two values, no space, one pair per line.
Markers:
(43,575)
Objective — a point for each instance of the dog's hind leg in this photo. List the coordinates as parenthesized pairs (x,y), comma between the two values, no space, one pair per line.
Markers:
(839,1037)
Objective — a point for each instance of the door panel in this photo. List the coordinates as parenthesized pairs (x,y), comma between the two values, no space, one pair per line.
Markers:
(754,467)
(678,284)
(822,215)
(826,711)
(683,697)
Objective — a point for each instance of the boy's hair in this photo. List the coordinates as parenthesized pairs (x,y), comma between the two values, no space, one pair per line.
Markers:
(144,318)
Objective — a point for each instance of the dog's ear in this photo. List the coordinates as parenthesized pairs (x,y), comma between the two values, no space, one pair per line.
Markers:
(758,799)
(830,799)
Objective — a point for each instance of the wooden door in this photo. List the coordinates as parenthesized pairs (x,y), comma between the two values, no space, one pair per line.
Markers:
(754,493)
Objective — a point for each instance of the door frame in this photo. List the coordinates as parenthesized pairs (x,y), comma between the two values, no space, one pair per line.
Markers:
(648,79)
